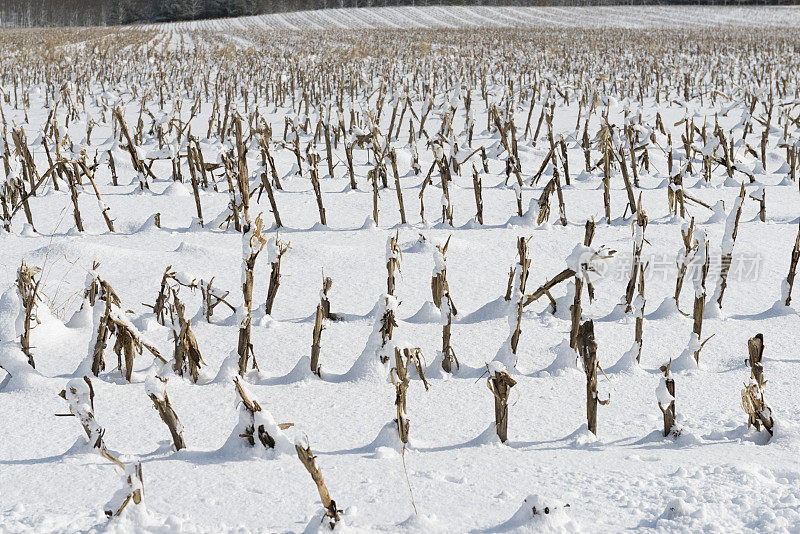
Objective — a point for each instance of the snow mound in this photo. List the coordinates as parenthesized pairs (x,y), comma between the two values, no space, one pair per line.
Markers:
(675,509)
(27,231)
(564,302)
(149,225)
(10,306)
(238,447)
(496,309)
(20,375)
(428,313)
(301,371)
(436,371)
(718,214)
(686,361)
(487,437)
(82,318)
(528,219)
(419,246)
(668,308)
(786,434)
(566,360)
(582,438)
(506,357)
(321,524)
(387,443)
(679,437)
(368,365)
(423,524)
(176,189)
(229,369)
(627,362)
(369,224)
(539,515)
(778,309)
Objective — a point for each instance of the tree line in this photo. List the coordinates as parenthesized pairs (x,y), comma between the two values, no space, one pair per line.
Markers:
(32,13)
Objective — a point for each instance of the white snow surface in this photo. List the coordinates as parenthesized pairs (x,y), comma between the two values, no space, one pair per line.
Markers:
(465,17)
(719,476)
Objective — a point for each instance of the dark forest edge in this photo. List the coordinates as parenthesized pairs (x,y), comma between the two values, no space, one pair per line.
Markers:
(34,13)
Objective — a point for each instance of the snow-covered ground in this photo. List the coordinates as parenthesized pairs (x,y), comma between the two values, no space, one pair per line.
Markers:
(718,475)
(633,17)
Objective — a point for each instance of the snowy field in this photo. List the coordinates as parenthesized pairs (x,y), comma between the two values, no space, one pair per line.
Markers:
(429,17)
(164,186)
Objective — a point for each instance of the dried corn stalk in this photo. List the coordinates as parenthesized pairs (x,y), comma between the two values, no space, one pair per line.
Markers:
(157,391)
(606,145)
(758,412)
(132,490)
(212,298)
(393,257)
(523,265)
(787,286)
(477,187)
(575,309)
(665,393)
(500,383)
(309,462)
(275,251)
(324,301)
(313,160)
(79,394)
(267,158)
(255,426)
(187,354)
(398,188)
(690,245)
(701,259)
(253,241)
(587,350)
(317,337)
(104,209)
(728,240)
(171,281)
(638,313)
(447,310)
(109,319)
(544,202)
(28,288)
(439,284)
(639,226)
(444,173)
(399,377)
